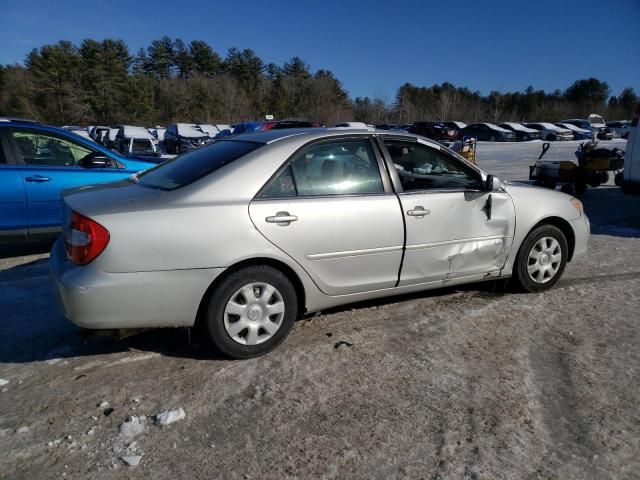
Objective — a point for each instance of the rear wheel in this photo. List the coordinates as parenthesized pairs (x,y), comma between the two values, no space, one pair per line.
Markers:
(541,259)
(251,312)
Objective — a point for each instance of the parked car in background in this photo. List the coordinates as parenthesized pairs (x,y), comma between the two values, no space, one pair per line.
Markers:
(249,233)
(455,125)
(184,137)
(292,123)
(137,142)
(358,125)
(82,132)
(109,138)
(487,132)
(245,127)
(212,130)
(158,133)
(578,133)
(434,130)
(620,128)
(550,132)
(631,173)
(387,126)
(98,132)
(522,133)
(37,163)
(595,123)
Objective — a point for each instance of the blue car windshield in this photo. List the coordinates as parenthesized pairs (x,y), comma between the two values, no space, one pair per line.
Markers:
(186,169)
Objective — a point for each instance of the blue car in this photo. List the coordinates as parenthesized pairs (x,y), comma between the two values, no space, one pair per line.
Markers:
(37,163)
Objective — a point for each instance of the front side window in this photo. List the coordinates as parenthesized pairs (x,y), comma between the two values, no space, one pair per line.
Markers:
(426,168)
(342,167)
(47,150)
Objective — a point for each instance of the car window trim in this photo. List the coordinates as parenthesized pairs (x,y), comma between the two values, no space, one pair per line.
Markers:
(386,181)
(450,153)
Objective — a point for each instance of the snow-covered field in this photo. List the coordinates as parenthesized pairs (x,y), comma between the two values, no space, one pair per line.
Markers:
(461,383)
(510,161)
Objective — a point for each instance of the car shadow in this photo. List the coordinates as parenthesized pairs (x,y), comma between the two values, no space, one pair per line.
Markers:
(611,212)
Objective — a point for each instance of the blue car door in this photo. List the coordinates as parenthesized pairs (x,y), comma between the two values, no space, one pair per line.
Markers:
(48,164)
(13,200)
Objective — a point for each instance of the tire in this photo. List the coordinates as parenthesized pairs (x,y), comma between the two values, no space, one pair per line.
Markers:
(224,327)
(492,138)
(551,138)
(537,266)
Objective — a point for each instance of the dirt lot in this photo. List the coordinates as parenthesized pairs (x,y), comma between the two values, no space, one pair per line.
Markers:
(465,383)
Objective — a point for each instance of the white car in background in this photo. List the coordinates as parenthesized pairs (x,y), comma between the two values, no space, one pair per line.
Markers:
(523,133)
(578,133)
(620,128)
(551,132)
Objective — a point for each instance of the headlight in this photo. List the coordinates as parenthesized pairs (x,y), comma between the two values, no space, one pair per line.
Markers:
(577,204)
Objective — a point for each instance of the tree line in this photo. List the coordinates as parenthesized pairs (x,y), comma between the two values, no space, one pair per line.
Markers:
(101,82)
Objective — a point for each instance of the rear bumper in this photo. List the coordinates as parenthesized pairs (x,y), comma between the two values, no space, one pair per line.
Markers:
(92,298)
(581,230)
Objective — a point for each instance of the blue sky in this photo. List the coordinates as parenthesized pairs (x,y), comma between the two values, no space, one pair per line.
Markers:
(372,47)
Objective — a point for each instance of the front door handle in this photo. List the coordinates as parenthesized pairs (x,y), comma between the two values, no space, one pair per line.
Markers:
(37,179)
(418,212)
(282,219)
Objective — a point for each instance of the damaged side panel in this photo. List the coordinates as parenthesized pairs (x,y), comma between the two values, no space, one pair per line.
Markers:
(457,238)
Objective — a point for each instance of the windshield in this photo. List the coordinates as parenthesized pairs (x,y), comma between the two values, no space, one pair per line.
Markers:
(186,169)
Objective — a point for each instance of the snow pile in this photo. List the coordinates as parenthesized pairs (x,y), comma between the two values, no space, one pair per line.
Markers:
(170,416)
(3,382)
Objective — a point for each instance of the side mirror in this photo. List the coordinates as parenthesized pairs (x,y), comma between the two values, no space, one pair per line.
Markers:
(492,184)
(96,160)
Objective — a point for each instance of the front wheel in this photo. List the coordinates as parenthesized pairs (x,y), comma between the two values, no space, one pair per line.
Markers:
(251,312)
(541,259)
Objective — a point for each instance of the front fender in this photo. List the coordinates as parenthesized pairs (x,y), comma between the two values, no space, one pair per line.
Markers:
(534,205)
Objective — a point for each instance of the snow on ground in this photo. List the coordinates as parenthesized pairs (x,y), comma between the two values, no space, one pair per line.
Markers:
(511,160)
(469,383)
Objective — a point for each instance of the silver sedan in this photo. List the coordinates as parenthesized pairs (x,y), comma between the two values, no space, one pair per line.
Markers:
(245,235)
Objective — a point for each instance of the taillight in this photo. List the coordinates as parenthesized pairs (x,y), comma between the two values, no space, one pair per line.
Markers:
(636,114)
(86,239)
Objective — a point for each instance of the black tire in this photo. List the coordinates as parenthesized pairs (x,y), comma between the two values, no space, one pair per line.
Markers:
(551,138)
(492,138)
(520,270)
(214,316)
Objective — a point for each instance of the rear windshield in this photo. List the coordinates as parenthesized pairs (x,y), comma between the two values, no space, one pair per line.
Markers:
(186,169)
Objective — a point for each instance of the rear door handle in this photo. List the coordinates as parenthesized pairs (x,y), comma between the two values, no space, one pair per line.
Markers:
(282,219)
(37,179)
(418,211)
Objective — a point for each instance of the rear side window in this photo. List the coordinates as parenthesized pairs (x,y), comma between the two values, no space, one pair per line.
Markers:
(186,169)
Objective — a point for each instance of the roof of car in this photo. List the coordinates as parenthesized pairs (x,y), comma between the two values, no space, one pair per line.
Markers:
(271,136)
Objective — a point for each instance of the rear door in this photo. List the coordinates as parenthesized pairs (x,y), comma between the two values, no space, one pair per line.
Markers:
(454,228)
(332,211)
(13,200)
(47,165)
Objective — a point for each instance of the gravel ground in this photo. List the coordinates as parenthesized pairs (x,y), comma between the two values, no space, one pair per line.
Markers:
(460,383)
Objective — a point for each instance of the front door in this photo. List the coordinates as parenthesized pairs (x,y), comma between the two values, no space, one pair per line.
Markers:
(13,200)
(454,228)
(329,210)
